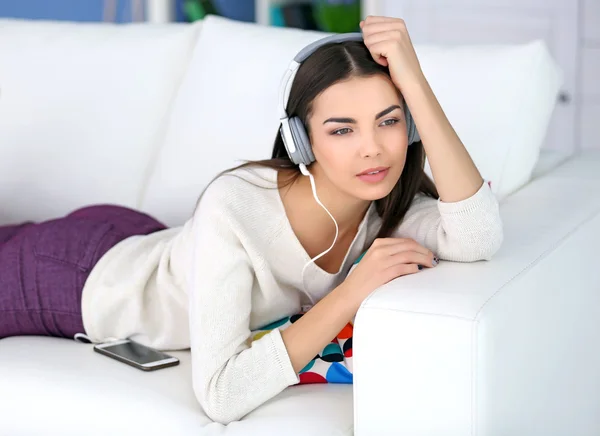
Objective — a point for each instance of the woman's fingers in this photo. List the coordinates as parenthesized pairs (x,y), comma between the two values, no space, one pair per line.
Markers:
(396,245)
(375,28)
(379,19)
(413,257)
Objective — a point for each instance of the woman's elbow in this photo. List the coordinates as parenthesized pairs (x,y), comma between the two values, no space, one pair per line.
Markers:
(487,244)
(220,415)
(473,247)
(493,247)
(214,404)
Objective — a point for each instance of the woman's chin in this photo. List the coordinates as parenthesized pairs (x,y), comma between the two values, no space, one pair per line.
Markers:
(374,193)
(374,190)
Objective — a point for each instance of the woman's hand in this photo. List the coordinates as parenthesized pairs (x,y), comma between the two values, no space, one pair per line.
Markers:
(389,43)
(385,260)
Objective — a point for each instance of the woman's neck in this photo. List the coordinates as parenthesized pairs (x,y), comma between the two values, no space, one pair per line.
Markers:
(347,211)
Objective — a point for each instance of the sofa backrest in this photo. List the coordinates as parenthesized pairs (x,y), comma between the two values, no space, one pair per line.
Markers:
(83,110)
(146,115)
(498,98)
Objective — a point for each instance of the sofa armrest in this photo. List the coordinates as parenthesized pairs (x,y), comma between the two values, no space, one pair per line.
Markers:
(509,346)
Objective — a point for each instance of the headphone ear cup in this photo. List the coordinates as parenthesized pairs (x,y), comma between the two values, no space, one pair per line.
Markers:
(294,156)
(411,128)
(301,140)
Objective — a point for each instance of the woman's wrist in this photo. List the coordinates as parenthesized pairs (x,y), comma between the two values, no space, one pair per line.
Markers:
(349,298)
(416,88)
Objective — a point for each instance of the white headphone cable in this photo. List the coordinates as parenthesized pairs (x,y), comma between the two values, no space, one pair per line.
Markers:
(305,171)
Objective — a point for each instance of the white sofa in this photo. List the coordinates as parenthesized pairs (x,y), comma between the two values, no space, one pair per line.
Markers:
(144,116)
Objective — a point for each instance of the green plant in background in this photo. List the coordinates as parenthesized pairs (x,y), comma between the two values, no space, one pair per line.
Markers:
(338,16)
(195,10)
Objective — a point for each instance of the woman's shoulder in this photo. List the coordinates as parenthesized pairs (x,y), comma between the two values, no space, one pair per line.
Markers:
(240,191)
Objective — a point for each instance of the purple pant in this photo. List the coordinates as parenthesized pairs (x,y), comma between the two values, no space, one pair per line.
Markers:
(43,266)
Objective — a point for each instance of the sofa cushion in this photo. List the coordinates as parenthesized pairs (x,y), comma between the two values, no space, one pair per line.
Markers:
(82,110)
(225,112)
(499,99)
(73,391)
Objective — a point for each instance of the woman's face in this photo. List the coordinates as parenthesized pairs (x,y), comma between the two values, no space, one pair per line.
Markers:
(357,125)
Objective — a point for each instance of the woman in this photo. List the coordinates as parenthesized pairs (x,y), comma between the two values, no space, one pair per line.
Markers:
(258,248)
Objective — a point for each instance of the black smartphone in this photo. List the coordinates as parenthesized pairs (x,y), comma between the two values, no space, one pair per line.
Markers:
(137,355)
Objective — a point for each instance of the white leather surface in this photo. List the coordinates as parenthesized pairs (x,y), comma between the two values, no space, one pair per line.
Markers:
(549,160)
(57,387)
(506,347)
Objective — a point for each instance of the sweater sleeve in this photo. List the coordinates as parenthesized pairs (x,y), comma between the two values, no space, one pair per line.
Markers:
(464,231)
(231,374)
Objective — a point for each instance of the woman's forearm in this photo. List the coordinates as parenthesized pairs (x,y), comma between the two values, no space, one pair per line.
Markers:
(455,175)
(307,337)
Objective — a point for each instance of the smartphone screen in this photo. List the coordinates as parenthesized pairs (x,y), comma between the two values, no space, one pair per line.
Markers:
(136,352)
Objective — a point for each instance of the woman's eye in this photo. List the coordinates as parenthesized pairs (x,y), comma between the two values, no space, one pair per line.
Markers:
(390,122)
(341,131)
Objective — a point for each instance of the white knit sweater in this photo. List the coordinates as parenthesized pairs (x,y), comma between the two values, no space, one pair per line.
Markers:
(236,266)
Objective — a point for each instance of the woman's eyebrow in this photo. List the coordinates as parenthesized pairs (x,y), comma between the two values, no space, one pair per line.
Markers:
(339,120)
(352,120)
(387,111)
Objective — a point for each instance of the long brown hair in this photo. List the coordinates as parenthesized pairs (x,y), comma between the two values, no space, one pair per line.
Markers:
(328,65)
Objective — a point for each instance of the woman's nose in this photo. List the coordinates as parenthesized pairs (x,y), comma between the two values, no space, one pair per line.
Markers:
(370,145)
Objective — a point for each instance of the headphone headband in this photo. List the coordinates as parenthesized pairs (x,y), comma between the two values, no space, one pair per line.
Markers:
(312,47)
(290,73)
